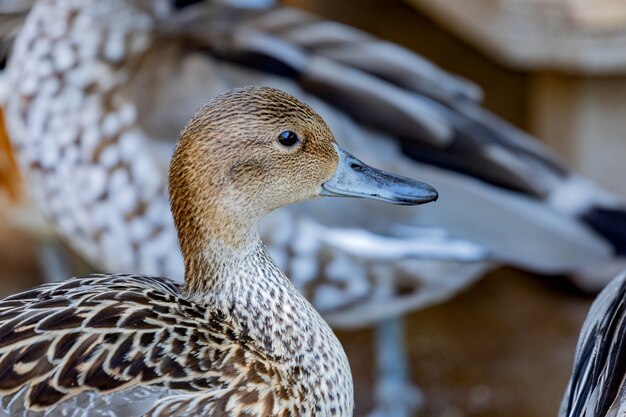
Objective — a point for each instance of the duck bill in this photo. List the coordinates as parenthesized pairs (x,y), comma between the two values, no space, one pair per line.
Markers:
(356,179)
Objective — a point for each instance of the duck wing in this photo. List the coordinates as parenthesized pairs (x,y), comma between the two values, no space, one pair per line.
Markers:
(597,387)
(104,340)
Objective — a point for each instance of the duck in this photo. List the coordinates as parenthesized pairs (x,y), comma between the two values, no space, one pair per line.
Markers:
(597,386)
(102,87)
(237,338)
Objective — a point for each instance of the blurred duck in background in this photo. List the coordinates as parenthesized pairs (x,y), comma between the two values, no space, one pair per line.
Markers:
(101,88)
(598,384)
(15,207)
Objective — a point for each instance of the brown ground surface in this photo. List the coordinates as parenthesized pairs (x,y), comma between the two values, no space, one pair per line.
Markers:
(504,345)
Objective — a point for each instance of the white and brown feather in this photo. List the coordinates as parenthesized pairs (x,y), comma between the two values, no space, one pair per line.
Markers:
(109,333)
(71,88)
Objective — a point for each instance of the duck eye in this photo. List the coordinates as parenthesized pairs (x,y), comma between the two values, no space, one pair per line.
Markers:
(288,138)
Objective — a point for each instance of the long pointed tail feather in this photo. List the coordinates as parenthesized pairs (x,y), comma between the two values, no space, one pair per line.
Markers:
(610,223)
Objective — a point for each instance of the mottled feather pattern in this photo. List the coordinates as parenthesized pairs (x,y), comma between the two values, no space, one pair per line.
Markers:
(107,333)
(71,89)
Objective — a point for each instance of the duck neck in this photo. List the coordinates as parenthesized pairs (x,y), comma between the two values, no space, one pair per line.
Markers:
(218,258)
(248,286)
(245,282)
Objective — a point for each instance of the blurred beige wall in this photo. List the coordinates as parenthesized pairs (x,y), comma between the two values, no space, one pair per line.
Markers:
(584,119)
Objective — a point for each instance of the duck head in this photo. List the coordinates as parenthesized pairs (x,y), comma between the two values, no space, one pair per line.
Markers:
(251,150)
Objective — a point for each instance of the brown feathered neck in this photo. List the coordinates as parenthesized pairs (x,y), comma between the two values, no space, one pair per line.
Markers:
(216,229)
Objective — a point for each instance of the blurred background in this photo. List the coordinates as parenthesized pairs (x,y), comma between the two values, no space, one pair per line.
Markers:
(554,68)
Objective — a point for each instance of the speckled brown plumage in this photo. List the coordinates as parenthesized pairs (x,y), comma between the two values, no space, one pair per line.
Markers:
(111,332)
(239,339)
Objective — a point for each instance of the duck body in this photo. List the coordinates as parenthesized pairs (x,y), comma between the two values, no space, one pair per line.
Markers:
(93,344)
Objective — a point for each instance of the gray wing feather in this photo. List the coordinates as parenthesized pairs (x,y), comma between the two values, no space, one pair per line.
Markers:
(597,384)
(133,402)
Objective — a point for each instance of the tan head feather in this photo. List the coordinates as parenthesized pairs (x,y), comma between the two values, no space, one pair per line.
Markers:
(229,168)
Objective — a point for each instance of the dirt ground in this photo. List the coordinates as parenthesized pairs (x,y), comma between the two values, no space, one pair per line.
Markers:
(506,344)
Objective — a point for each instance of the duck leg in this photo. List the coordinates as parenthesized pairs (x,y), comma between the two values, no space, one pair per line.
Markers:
(395,395)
